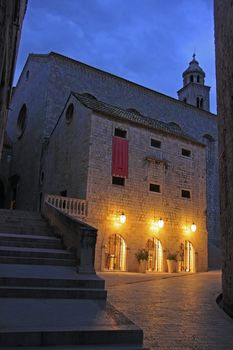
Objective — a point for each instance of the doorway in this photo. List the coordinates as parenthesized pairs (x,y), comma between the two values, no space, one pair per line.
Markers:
(115,254)
(189,257)
(155,255)
(2,195)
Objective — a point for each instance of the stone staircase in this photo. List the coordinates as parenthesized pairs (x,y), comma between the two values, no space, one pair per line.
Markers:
(44,302)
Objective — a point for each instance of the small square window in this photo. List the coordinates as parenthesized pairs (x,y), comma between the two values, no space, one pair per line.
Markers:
(186,152)
(120,181)
(185,194)
(155,188)
(155,143)
(120,133)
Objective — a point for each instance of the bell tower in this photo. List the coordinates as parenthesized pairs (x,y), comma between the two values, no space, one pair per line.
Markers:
(194,90)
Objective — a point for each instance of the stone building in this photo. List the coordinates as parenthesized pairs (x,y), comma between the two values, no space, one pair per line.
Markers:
(128,167)
(223,13)
(36,110)
(11,18)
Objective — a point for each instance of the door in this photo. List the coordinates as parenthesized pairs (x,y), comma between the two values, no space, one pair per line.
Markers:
(115,256)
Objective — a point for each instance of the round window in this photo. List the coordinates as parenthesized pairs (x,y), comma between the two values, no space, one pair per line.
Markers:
(69,113)
(21,122)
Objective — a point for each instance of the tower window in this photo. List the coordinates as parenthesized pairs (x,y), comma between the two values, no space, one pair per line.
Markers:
(191,78)
(198,79)
(120,133)
(201,103)
(198,102)
(155,143)
(185,194)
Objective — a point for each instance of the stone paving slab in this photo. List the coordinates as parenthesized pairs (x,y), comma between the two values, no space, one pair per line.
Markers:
(175,311)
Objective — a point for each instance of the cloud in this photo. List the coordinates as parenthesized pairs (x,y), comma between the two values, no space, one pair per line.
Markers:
(150,42)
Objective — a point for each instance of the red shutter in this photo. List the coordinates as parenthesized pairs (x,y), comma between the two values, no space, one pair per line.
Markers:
(119,157)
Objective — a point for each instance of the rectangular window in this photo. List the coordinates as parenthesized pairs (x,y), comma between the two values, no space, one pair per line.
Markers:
(120,181)
(186,152)
(120,133)
(185,194)
(155,188)
(155,143)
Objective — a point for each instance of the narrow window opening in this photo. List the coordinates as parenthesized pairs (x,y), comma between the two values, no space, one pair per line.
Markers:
(120,133)
(155,188)
(185,194)
(198,79)
(120,181)
(155,143)
(201,103)
(191,78)
(198,102)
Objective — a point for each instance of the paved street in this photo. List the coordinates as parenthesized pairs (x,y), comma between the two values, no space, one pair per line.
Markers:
(175,311)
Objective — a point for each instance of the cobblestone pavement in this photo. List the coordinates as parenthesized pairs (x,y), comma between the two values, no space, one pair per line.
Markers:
(175,311)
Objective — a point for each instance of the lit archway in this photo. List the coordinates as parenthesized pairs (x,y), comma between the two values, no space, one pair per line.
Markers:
(115,254)
(155,255)
(189,257)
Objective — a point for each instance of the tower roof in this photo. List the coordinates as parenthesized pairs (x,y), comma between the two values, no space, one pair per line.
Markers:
(194,67)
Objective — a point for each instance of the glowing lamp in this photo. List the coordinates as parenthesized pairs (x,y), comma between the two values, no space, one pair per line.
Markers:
(193,227)
(122,218)
(161,223)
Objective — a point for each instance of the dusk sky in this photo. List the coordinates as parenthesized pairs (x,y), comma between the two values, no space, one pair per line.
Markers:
(149,42)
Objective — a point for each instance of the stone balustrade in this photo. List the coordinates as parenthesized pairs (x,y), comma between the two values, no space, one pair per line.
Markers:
(77,236)
(71,206)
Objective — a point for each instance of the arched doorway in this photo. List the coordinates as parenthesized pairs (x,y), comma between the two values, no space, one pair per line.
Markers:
(155,255)
(2,195)
(115,255)
(189,257)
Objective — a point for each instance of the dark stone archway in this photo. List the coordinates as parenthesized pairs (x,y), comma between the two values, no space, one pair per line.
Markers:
(2,195)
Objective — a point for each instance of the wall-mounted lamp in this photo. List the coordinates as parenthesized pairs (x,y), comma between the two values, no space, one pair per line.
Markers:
(193,227)
(160,223)
(122,218)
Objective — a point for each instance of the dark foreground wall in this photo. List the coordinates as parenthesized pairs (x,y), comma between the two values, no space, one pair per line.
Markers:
(224,64)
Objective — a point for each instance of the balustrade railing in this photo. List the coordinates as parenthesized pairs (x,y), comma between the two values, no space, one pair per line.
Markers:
(72,206)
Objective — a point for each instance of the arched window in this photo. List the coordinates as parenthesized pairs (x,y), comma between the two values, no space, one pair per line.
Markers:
(69,113)
(198,102)
(21,121)
(191,78)
(198,79)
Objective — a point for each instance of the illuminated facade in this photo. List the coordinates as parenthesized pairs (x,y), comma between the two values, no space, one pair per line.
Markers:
(144,184)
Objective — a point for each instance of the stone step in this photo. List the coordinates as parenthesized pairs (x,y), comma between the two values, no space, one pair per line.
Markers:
(85,335)
(4,228)
(34,241)
(35,253)
(19,213)
(36,261)
(81,347)
(47,293)
(51,282)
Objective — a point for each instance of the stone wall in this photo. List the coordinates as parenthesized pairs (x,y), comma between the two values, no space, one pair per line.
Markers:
(224,70)
(107,201)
